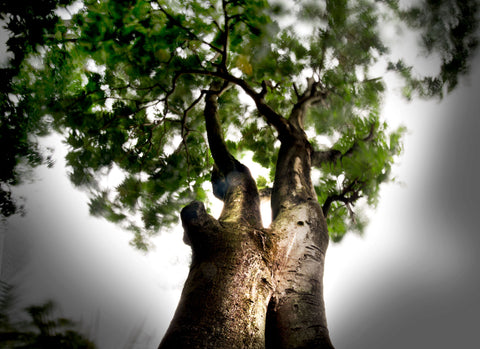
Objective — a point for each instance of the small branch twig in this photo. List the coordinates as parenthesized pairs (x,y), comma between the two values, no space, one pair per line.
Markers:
(349,195)
(333,155)
(187,30)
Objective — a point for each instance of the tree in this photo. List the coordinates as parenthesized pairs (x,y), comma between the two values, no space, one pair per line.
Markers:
(150,88)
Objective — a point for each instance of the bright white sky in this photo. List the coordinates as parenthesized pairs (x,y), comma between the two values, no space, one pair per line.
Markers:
(411,281)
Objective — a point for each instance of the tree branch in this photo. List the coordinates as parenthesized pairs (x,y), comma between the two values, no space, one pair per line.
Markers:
(310,96)
(222,157)
(197,223)
(349,195)
(333,155)
(187,30)
(185,131)
(271,116)
(321,157)
(232,181)
(223,63)
(280,124)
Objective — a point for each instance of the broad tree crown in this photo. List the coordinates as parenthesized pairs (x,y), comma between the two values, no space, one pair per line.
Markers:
(125,82)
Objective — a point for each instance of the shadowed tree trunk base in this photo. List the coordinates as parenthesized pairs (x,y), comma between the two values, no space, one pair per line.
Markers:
(251,287)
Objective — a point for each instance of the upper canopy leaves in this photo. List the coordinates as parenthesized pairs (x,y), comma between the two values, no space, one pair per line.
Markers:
(448,30)
(125,81)
(29,24)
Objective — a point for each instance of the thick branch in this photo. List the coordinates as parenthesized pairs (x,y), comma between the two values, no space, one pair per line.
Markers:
(292,184)
(196,224)
(271,116)
(222,157)
(232,181)
(326,156)
(185,131)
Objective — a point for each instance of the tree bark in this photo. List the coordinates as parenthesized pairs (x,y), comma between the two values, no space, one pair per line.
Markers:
(296,316)
(225,298)
(251,287)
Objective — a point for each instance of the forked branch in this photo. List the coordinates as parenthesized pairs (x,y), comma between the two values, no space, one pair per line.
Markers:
(313,94)
(280,124)
(349,195)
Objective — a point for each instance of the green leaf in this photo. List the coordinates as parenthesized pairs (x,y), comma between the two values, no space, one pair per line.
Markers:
(124,81)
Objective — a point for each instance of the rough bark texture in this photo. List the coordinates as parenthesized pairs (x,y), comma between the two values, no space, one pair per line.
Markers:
(225,297)
(251,287)
(296,317)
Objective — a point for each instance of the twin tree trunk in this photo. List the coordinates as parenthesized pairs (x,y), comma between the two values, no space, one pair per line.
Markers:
(251,287)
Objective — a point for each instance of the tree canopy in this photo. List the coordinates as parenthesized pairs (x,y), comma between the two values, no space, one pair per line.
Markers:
(27,24)
(125,82)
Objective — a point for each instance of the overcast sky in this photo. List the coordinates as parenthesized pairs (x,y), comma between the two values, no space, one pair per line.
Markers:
(411,282)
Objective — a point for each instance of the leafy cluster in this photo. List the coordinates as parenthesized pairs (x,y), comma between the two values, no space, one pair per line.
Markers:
(28,24)
(40,329)
(125,82)
(447,29)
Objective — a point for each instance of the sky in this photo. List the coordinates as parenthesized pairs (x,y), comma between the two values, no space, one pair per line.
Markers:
(411,281)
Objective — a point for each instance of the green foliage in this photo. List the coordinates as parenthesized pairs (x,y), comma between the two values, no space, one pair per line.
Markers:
(259,138)
(28,25)
(368,153)
(124,81)
(447,29)
(39,329)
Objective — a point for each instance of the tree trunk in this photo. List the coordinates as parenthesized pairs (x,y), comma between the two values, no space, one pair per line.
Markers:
(296,316)
(225,298)
(251,287)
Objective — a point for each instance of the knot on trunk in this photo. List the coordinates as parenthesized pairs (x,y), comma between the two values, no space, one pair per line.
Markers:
(237,174)
(199,227)
(238,190)
(219,183)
